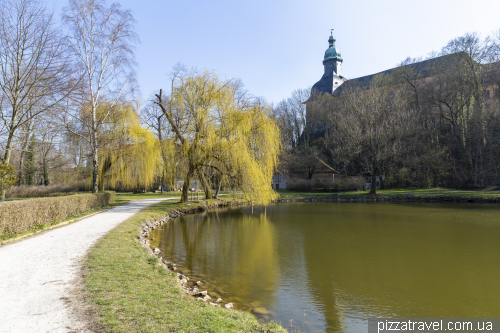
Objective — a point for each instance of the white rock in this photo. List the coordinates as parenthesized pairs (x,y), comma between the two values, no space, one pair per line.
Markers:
(229,306)
(218,300)
(182,277)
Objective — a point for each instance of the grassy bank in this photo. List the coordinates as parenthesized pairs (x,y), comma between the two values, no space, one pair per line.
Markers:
(398,193)
(132,293)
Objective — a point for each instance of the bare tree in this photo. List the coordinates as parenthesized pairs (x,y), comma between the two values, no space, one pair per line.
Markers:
(290,115)
(370,123)
(27,130)
(101,39)
(33,68)
(154,118)
(456,92)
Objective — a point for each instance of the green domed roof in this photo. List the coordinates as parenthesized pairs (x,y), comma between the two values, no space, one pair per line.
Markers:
(332,52)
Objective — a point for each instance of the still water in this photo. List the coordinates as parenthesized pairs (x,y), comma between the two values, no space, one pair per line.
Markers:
(328,267)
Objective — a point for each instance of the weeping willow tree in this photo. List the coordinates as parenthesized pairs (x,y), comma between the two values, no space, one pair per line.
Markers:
(246,151)
(223,133)
(130,155)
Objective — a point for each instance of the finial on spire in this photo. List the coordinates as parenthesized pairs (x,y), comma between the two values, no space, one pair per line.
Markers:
(331,40)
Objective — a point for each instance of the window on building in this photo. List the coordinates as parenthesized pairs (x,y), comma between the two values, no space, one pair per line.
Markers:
(487,106)
(487,94)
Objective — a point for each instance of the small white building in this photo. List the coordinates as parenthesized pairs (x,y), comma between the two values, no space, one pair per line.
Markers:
(280,182)
(377,182)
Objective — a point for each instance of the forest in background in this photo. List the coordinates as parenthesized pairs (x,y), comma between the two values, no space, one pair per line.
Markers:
(426,123)
(70,115)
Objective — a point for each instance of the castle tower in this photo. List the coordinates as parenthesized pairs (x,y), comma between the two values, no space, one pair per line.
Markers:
(333,77)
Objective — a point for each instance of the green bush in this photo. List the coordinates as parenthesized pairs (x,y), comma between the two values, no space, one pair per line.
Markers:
(22,215)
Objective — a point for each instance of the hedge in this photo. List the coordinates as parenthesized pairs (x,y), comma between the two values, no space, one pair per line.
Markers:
(22,215)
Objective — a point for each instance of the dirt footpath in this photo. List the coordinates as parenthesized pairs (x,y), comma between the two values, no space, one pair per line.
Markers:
(37,275)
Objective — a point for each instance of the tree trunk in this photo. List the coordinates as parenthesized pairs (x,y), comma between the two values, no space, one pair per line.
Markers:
(468,162)
(21,159)
(95,172)
(160,139)
(373,189)
(162,181)
(21,166)
(8,149)
(46,181)
(217,190)
(185,186)
(204,184)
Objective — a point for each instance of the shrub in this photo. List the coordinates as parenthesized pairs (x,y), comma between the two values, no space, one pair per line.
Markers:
(337,184)
(26,191)
(301,185)
(22,215)
(353,183)
(7,177)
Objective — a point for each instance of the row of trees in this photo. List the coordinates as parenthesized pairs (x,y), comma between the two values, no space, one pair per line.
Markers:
(67,107)
(432,122)
(72,77)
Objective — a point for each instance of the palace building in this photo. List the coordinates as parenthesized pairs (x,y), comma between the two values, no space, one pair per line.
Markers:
(418,73)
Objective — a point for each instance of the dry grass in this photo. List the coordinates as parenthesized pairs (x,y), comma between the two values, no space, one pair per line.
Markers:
(25,191)
(22,215)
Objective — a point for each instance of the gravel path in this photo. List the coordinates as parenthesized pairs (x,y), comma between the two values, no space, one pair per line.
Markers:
(37,275)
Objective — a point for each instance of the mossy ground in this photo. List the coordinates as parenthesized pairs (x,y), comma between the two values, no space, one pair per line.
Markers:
(132,293)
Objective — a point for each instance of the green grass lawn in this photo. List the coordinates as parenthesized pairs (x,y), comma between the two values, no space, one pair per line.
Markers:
(432,192)
(131,196)
(139,196)
(132,293)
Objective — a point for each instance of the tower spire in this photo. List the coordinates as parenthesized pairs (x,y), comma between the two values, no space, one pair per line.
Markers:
(332,39)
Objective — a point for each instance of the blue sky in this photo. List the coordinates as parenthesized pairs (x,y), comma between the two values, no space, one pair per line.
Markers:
(277,46)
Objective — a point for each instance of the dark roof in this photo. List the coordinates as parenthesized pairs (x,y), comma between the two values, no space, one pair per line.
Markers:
(425,68)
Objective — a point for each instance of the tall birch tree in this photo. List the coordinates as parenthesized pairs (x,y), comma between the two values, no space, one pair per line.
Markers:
(101,39)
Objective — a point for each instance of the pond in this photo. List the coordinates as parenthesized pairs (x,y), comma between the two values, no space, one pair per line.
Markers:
(328,267)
